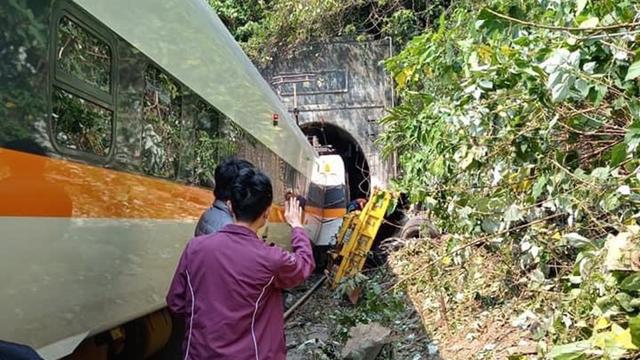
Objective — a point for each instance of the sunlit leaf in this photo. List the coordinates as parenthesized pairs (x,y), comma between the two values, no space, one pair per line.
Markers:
(618,154)
(631,282)
(634,328)
(601,323)
(572,351)
(622,338)
(580,5)
(624,300)
(590,23)
(634,71)
(539,186)
(577,241)
(601,173)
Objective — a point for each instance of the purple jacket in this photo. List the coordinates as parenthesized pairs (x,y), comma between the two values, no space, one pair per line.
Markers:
(228,288)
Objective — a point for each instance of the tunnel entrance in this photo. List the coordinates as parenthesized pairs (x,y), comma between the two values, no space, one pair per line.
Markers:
(336,140)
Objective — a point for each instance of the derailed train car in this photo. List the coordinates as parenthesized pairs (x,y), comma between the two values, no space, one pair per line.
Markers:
(112,115)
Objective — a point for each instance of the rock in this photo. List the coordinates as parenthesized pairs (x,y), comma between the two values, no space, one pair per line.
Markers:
(622,253)
(289,299)
(318,332)
(366,341)
(523,349)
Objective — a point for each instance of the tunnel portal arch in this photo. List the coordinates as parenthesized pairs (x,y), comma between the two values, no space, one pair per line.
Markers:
(331,136)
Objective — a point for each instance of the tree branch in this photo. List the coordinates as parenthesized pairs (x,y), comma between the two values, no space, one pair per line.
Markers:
(564,28)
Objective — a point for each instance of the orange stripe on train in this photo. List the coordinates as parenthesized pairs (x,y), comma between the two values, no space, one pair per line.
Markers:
(32,185)
(38,186)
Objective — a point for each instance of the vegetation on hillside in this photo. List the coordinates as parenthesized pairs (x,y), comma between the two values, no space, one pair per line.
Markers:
(265,27)
(519,129)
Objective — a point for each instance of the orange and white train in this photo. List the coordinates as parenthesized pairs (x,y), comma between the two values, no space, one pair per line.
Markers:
(112,116)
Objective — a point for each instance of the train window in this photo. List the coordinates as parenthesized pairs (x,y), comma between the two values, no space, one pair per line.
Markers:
(207,118)
(81,125)
(83,55)
(208,146)
(162,129)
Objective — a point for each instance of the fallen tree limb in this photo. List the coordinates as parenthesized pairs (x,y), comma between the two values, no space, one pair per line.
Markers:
(479,241)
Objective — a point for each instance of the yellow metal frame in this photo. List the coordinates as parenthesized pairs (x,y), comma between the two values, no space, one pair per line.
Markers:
(357,233)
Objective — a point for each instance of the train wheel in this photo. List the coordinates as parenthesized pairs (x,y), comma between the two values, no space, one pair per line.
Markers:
(133,345)
(143,337)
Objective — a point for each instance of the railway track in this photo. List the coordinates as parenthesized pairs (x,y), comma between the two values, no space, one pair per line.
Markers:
(296,298)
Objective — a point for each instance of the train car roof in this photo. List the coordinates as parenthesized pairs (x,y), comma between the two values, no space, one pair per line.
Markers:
(187,39)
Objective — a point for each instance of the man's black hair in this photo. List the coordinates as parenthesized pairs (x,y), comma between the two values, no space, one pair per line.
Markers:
(224,176)
(251,194)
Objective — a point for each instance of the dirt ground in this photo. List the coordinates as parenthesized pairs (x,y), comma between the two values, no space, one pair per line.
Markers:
(314,330)
(459,331)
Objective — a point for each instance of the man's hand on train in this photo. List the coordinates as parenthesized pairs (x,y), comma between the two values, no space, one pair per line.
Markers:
(293,212)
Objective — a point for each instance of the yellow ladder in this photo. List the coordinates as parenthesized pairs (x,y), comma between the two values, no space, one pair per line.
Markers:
(356,235)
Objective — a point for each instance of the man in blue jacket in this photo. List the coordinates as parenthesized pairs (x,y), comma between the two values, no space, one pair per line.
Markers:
(219,215)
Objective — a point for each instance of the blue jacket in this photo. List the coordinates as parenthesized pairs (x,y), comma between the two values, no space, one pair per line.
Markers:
(11,351)
(214,219)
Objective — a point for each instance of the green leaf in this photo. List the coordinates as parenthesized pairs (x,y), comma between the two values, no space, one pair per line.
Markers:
(618,154)
(611,202)
(438,167)
(634,108)
(577,241)
(392,206)
(631,282)
(583,87)
(634,327)
(560,91)
(485,84)
(466,161)
(590,23)
(580,5)
(490,225)
(600,92)
(538,187)
(601,173)
(622,340)
(517,357)
(572,351)
(513,213)
(633,72)
(589,67)
(624,300)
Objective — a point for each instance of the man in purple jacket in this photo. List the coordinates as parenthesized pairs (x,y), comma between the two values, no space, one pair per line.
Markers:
(228,286)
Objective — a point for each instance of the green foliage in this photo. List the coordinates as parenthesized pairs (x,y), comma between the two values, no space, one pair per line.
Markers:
(241,17)
(634,71)
(401,26)
(523,130)
(266,27)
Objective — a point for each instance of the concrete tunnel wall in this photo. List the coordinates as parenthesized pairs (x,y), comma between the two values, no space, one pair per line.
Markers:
(350,90)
